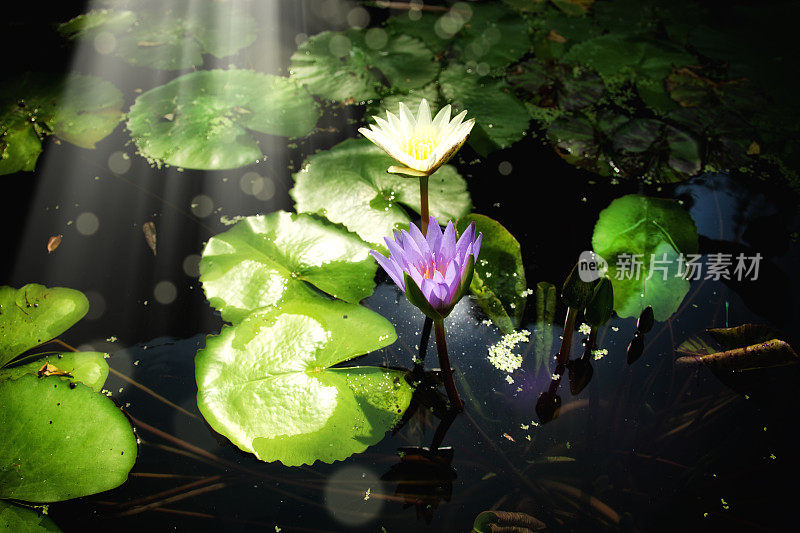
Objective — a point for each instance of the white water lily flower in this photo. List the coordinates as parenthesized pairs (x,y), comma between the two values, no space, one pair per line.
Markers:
(420,144)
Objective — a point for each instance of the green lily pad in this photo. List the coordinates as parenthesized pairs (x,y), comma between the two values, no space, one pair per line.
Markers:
(35,314)
(494,36)
(168,38)
(498,283)
(267,385)
(619,57)
(427,28)
(575,135)
(77,108)
(266,259)
(349,185)
(339,65)
(412,98)
(89,368)
(500,116)
(651,228)
(60,442)
(201,120)
(24,519)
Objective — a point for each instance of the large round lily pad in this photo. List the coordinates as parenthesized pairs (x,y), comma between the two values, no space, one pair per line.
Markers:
(349,185)
(35,314)
(77,108)
(201,120)
(267,385)
(264,260)
(500,116)
(60,441)
(169,36)
(339,65)
(657,231)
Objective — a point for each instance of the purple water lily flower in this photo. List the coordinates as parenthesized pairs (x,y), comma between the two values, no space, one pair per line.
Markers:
(439,267)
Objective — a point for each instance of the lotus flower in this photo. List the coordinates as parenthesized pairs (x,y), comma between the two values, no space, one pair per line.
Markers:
(434,271)
(420,144)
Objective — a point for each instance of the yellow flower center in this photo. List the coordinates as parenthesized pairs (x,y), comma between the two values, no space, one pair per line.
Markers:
(420,149)
(429,271)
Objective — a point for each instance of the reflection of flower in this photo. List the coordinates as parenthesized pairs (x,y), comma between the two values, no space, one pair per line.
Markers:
(424,478)
(420,144)
(439,266)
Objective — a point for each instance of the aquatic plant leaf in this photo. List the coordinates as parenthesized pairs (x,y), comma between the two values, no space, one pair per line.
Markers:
(201,120)
(427,28)
(500,116)
(498,283)
(620,56)
(21,519)
(412,98)
(745,347)
(266,259)
(35,314)
(77,108)
(89,368)
(349,185)
(574,134)
(494,36)
(543,329)
(338,65)
(168,36)
(267,383)
(653,228)
(60,441)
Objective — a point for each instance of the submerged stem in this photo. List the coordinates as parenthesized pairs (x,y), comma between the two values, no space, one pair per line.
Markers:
(423,202)
(447,372)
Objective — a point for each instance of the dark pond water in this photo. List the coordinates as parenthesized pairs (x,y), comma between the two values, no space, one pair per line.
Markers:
(650,446)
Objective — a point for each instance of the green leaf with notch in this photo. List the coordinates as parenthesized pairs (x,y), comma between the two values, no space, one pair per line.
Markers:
(203,120)
(349,185)
(267,383)
(654,229)
(60,441)
(266,259)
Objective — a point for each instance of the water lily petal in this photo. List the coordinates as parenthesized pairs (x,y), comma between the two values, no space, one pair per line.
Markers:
(423,116)
(442,118)
(390,267)
(419,239)
(406,171)
(476,248)
(447,248)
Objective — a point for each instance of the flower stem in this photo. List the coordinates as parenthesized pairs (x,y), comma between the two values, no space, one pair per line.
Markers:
(423,201)
(447,372)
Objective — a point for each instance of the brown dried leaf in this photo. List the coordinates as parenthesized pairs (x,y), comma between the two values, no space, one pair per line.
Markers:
(53,242)
(149,230)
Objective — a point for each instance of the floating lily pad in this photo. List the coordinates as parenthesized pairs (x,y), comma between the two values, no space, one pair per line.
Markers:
(339,65)
(498,283)
(35,314)
(60,442)
(267,383)
(168,36)
(349,185)
(77,108)
(201,120)
(651,228)
(89,368)
(500,116)
(745,347)
(266,259)
(641,141)
(24,519)
(412,98)
(619,56)
(574,8)
(427,28)
(574,135)
(494,36)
